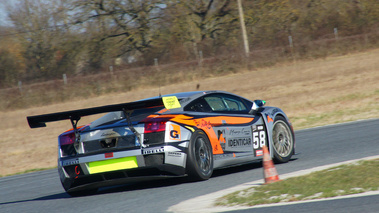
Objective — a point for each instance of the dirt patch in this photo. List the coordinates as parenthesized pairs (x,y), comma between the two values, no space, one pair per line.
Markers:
(312,93)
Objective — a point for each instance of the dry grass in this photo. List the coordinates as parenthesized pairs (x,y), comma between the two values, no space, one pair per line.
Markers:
(342,180)
(312,93)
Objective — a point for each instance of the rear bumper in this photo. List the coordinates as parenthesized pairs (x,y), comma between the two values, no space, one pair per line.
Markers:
(121,177)
(113,168)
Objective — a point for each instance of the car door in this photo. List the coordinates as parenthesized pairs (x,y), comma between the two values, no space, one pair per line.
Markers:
(236,136)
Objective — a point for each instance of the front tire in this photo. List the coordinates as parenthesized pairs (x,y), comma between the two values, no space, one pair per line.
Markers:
(283,140)
(199,157)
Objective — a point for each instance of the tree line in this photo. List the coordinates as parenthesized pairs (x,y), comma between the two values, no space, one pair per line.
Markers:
(46,39)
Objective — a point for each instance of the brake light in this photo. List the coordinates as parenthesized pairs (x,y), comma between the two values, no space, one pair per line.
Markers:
(156,126)
(66,138)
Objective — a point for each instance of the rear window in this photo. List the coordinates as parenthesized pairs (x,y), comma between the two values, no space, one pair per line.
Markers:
(114,117)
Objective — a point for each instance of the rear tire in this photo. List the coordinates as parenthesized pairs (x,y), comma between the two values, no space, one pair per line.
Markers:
(283,140)
(199,157)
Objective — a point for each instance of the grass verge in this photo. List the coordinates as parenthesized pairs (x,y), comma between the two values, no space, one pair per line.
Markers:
(346,179)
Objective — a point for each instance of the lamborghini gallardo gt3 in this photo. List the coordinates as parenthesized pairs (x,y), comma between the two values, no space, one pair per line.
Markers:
(182,134)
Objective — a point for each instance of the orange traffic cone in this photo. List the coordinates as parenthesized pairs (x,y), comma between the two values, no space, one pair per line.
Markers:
(270,173)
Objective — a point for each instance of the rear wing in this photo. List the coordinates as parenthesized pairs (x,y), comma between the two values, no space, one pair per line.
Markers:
(75,115)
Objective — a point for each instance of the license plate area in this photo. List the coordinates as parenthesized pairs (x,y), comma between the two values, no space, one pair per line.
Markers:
(112,165)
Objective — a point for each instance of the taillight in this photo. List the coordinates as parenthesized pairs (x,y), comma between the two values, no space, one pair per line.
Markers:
(66,138)
(155,126)
(155,131)
(67,144)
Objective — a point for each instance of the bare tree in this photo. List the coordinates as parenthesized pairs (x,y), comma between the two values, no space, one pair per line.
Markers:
(41,29)
(195,21)
(130,22)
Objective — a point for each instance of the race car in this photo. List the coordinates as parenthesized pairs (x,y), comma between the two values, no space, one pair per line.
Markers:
(183,134)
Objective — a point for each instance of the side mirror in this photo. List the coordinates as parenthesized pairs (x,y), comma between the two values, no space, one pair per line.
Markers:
(257,104)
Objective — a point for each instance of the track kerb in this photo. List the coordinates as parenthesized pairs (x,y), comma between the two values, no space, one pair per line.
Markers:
(269,170)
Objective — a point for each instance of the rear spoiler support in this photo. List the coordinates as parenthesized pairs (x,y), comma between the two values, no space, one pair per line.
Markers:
(131,127)
(74,123)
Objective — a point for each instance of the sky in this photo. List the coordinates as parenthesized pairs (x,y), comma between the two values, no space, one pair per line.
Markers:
(3,13)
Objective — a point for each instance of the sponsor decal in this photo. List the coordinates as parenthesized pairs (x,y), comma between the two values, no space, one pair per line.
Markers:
(174,132)
(259,136)
(71,162)
(171,102)
(238,142)
(242,132)
(108,134)
(203,124)
(258,153)
(152,151)
(174,154)
(108,155)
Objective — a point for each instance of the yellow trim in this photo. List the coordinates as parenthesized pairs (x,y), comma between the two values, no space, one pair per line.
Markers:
(190,128)
(112,165)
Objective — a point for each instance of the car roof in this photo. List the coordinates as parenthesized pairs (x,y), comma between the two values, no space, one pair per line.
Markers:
(187,97)
(183,95)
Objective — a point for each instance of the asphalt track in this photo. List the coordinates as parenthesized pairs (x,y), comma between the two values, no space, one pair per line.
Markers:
(42,192)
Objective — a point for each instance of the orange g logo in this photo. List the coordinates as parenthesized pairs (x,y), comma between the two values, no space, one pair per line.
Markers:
(174,132)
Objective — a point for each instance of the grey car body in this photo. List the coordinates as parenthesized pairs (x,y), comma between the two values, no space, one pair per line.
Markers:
(179,134)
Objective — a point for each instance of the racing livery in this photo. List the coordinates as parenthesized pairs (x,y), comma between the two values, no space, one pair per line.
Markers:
(180,134)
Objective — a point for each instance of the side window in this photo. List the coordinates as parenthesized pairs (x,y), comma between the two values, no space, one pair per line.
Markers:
(223,103)
(216,103)
(233,105)
(226,103)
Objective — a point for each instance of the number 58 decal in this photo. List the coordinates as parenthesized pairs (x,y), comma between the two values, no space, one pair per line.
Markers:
(259,137)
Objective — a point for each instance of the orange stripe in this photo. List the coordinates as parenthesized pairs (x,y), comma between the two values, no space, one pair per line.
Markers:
(207,124)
